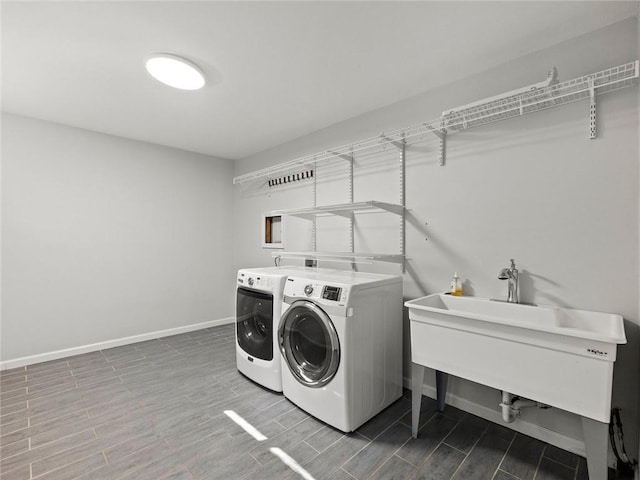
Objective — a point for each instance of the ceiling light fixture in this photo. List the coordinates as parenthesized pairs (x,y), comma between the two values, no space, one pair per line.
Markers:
(175,71)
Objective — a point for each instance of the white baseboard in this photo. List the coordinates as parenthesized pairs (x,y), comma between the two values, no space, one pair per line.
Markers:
(527,428)
(94,347)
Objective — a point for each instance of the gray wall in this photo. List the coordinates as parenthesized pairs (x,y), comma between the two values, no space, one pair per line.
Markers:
(534,188)
(105,238)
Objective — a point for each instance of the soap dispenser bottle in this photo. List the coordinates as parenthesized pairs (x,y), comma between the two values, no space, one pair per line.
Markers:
(456,285)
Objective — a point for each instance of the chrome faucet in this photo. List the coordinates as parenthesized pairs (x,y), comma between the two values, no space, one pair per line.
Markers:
(511,274)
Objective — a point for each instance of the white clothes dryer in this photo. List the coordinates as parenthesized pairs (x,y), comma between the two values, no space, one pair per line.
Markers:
(259,294)
(340,339)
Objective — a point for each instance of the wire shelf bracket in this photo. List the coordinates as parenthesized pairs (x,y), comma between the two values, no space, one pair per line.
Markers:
(386,140)
(592,109)
(345,156)
(441,133)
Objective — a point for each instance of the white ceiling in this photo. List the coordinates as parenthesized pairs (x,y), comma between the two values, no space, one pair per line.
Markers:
(276,70)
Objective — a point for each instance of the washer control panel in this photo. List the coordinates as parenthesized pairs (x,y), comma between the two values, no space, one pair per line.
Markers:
(331,293)
(320,292)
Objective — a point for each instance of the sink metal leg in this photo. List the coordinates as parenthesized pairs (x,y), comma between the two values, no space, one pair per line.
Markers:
(596,442)
(441,389)
(417,379)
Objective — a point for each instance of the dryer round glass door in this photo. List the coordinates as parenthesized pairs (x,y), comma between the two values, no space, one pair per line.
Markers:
(309,344)
(254,323)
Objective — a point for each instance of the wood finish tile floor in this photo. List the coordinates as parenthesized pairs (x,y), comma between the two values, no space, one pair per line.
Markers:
(155,410)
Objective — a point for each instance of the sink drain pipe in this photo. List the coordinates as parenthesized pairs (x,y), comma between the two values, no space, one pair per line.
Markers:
(511,406)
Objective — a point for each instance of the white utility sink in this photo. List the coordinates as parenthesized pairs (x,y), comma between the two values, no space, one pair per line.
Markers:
(603,327)
(560,357)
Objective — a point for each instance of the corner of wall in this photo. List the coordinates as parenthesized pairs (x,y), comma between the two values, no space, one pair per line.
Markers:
(637,472)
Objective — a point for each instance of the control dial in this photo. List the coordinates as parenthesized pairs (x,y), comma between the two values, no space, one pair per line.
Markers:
(308,290)
(250,281)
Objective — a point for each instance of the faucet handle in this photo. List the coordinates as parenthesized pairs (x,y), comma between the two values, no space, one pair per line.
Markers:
(513,263)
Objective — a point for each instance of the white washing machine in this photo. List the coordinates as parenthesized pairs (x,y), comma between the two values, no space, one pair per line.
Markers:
(259,294)
(340,339)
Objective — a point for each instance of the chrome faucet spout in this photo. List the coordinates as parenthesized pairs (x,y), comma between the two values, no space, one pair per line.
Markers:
(511,275)
(504,274)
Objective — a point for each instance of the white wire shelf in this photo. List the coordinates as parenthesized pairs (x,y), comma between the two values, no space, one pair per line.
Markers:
(344,152)
(348,257)
(493,110)
(543,98)
(343,209)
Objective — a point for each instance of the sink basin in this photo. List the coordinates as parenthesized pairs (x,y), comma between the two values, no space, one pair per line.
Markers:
(604,327)
(558,356)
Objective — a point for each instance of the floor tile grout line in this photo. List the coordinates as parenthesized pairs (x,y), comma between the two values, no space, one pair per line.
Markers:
(372,474)
(38,397)
(30,423)
(350,476)
(397,420)
(535,473)
(577,463)
(356,453)
(17,369)
(513,439)
(40,377)
(311,446)
(424,460)
(444,439)
(330,445)
(13,393)
(11,402)
(470,450)
(455,472)
(6,390)
(456,448)
(20,416)
(59,467)
(511,475)
(46,444)
(258,461)
(560,463)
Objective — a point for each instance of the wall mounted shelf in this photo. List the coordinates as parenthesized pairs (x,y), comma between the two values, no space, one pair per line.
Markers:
(383,140)
(348,257)
(542,98)
(500,107)
(344,209)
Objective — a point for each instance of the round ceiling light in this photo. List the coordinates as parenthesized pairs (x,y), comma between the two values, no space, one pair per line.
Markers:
(175,71)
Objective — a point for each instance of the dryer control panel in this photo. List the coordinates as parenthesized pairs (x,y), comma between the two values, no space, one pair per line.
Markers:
(256,281)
